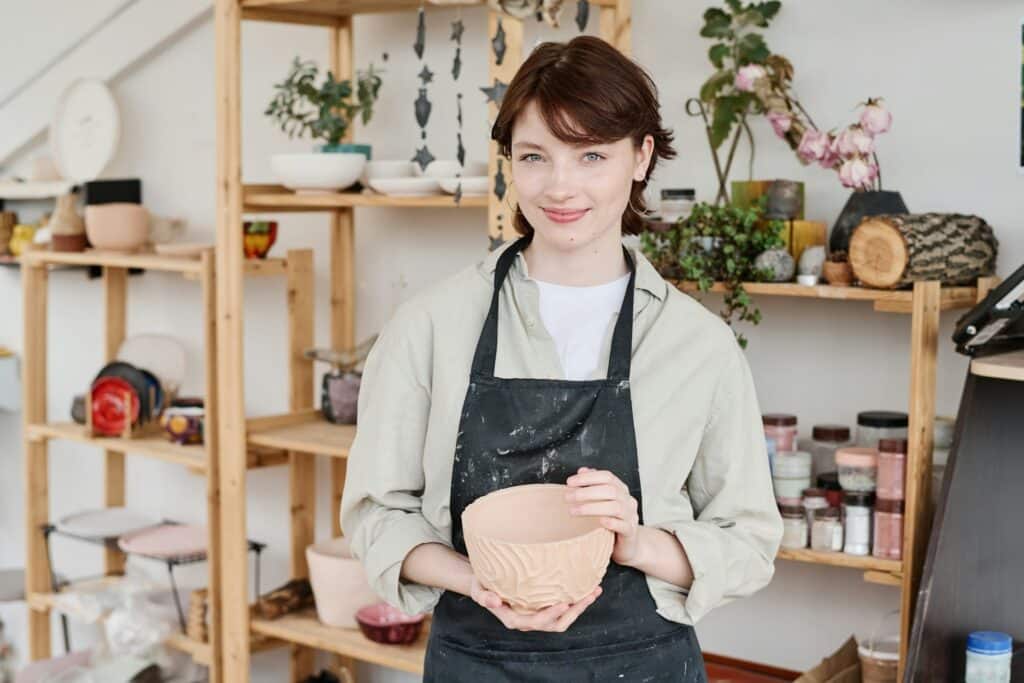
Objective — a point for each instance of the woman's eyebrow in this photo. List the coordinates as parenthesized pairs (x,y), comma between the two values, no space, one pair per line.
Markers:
(527,145)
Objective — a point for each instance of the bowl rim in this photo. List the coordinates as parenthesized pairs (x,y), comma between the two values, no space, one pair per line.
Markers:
(402,619)
(598,530)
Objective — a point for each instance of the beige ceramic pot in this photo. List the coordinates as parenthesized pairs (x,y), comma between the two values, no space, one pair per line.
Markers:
(837,273)
(525,546)
(339,583)
(117,227)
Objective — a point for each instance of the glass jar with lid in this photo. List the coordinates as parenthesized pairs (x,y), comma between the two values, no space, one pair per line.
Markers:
(875,425)
(827,531)
(782,428)
(814,499)
(858,468)
(892,465)
(825,440)
(794,527)
(888,541)
(677,203)
(791,476)
(857,509)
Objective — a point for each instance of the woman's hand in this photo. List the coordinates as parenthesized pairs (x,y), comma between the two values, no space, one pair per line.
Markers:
(599,493)
(557,618)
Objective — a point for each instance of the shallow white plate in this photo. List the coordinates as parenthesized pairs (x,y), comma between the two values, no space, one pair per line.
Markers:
(166,540)
(85,130)
(105,522)
(406,187)
(473,186)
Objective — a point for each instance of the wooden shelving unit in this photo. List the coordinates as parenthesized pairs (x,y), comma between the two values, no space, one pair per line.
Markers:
(301,432)
(39,430)
(925,302)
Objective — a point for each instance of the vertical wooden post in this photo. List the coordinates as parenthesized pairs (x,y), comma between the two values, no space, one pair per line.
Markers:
(302,466)
(616,25)
(342,281)
(499,214)
(210,441)
(37,500)
(115,295)
(924,334)
(230,377)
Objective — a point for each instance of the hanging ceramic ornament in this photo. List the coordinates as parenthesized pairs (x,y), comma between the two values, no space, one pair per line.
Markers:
(460,152)
(421,34)
(496,92)
(548,10)
(423,157)
(499,182)
(582,14)
(423,107)
(498,44)
(457,29)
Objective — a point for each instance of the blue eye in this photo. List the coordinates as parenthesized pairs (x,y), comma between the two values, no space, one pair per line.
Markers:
(593,156)
(529,157)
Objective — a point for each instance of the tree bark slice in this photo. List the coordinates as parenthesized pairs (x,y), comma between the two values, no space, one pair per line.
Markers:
(893,251)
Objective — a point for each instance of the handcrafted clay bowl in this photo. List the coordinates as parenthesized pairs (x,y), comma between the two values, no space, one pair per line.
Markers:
(183,421)
(837,273)
(441,168)
(258,238)
(339,583)
(525,546)
(115,405)
(318,172)
(117,227)
(142,383)
(383,623)
(76,242)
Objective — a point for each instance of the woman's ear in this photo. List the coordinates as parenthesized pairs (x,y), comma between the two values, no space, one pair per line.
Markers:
(643,158)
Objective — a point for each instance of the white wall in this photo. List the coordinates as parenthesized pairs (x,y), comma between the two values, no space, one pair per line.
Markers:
(948,70)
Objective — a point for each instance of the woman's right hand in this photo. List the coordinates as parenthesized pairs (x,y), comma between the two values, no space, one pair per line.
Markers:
(557,618)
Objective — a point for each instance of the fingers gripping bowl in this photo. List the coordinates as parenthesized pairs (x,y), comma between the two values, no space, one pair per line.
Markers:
(524,545)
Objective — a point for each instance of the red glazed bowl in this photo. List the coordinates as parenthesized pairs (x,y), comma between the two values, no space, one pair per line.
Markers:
(382,623)
(114,403)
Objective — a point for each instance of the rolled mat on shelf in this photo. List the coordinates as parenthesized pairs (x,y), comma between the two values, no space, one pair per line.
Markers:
(893,251)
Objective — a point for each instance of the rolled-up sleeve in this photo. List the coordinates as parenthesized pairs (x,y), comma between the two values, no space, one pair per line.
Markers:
(734,527)
(381,509)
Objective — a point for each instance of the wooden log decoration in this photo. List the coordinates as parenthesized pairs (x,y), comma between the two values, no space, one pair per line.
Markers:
(893,251)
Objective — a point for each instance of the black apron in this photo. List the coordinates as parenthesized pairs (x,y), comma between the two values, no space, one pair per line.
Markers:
(568,425)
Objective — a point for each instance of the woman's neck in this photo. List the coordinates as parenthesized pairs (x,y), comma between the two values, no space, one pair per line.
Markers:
(597,263)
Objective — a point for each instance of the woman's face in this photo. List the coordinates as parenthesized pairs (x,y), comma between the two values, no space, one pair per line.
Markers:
(573,196)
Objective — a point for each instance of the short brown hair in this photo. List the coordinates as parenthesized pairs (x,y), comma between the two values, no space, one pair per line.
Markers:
(588,93)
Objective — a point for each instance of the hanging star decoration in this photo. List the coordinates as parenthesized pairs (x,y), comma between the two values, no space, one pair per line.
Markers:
(496,92)
(421,34)
(582,14)
(457,29)
(498,44)
(426,75)
(423,157)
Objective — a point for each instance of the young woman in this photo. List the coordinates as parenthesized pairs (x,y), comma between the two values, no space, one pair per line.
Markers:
(565,358)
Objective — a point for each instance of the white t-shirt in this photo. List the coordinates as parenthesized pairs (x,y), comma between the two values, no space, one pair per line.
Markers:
(577,318)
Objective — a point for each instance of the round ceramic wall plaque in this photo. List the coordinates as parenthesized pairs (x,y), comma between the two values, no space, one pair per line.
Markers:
(85,130)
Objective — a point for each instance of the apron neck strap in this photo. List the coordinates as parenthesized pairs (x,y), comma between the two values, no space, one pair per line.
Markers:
(622,339)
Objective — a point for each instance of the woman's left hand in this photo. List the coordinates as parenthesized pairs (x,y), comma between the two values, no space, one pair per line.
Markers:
(599,493)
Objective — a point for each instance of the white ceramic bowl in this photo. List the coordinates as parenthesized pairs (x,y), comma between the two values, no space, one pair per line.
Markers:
(442,168)
(340,586)
(387,169)
(318,171)
(406,187)
(470,185)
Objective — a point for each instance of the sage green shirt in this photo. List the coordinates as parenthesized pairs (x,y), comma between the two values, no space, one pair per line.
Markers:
(702,458)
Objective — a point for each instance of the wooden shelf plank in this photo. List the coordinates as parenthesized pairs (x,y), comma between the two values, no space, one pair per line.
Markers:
(885,300)
(327,12)
(867,563)
(155,446)
(1002,366)
(175,264)
(303,432)
(303,628)
(275,198)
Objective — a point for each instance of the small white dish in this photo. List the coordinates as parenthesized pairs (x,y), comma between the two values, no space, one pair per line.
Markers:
(318,172)
(807,280)
(406,187)
(387,169)
(105,523)
(471,186)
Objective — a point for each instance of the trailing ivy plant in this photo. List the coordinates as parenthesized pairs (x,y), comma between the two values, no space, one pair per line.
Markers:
(324,111)
(718,244)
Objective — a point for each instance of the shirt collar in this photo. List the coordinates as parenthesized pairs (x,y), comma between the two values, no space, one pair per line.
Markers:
(647,278)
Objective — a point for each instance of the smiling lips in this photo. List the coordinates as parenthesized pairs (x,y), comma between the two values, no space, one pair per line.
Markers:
(565,215)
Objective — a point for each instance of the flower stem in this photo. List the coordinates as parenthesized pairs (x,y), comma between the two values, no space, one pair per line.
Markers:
(878,169)
(750,136)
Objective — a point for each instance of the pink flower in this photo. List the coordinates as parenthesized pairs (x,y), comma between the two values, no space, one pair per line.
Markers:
(854,141)
(830,157)
(781,122)
(813,145)
(746,75)
(857,173)
(875,118)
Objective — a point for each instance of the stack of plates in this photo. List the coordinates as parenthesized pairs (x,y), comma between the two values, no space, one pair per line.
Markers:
(105,523)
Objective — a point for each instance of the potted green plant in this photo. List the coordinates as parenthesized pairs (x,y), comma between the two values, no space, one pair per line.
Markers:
(325,109)
(718,244)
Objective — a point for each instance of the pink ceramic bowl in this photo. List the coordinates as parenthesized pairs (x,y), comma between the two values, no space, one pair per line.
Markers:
(339,582)
(117,227)
(525,546)
(383,623)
